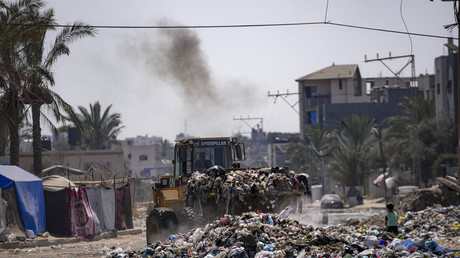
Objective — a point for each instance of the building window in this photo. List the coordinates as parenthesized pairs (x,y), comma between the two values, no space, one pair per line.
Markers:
(340,84)
(143,157)
(449,86)
(357,87)
(369,86)
(308,92)
(130,142)
(129,156)
(438,88)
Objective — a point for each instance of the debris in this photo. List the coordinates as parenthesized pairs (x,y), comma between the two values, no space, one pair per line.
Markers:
(267,189)
(252,235)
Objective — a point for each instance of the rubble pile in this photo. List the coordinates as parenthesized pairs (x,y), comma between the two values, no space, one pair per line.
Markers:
(262,189)
(438,195)
(277,235)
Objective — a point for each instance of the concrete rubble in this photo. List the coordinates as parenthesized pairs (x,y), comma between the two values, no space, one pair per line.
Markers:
(278,235)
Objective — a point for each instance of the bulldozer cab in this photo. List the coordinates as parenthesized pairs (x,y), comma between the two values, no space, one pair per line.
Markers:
(198,154)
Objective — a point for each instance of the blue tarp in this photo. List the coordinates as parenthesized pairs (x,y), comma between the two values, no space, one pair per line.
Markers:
(31,200)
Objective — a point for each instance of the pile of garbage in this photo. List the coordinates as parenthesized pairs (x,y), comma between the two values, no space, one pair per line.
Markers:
(278,235)
(438,195)
(258,189)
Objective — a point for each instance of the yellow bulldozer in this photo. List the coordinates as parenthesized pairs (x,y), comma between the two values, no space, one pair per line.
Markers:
(177,197)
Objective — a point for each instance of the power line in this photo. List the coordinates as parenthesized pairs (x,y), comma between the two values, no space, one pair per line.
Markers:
(389,31)
(232,26)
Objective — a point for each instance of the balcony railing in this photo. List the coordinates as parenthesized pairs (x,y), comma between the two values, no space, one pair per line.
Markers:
(318,100)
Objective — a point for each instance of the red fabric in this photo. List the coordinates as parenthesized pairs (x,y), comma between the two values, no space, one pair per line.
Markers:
(120,213)
(81,221)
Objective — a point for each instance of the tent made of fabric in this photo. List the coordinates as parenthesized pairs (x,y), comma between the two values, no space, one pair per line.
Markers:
(29,189)
(56,183)
(55,189)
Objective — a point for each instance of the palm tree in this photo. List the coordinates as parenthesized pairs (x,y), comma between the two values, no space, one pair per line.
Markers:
(4,136)
(165,146)
(15,30)
(299,154)
(411,136)
(352,156)
(99,131)
(39,75)
(321,144)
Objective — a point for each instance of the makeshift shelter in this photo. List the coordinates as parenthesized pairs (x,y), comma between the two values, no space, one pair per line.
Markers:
(55,190)
(29,190)
(70,173)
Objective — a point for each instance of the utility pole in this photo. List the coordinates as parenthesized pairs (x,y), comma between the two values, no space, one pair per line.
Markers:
(384,163)
(244,119)
(284,96)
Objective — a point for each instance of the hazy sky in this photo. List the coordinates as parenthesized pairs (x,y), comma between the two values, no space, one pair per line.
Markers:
(164,82)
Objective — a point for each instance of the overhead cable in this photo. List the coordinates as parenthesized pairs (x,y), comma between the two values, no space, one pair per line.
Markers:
(234,26)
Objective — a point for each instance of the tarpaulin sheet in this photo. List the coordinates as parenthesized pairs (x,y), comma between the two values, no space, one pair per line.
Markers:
(94,198)
(56,183)
(31,201)
(14,222)
(128,208)
(108,206)
(2,214)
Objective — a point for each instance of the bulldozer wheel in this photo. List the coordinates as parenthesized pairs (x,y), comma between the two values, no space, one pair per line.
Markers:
(187,218)
(160,223)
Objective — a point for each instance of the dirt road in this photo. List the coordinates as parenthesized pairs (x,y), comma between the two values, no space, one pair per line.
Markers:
(81,248)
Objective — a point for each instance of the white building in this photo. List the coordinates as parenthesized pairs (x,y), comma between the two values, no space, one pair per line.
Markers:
(143,155)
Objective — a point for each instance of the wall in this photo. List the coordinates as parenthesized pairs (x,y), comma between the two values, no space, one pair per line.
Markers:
(111,160)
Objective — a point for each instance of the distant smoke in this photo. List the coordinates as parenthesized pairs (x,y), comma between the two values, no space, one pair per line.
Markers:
(175,55)
(178,56)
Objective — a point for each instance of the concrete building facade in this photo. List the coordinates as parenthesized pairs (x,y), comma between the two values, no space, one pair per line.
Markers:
(335,92)
(143,155)
(106,160)
(446,77)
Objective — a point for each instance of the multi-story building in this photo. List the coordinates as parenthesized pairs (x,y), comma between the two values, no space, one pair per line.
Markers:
(144,156)
(446,77)
(329,95)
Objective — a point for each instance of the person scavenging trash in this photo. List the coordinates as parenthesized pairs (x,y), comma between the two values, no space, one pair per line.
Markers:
(391,219)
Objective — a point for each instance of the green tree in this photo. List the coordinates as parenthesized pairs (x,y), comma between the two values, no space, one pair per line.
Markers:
(39,61)
(299,153)
(4,136)
(99,130)
(419,137)
(352,157)
(165,147)
(16,18)
(322,144)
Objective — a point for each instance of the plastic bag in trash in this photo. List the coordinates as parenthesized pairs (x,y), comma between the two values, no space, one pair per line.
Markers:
(431,245)
(197,235)
(285,213)
(408,243)
(371,241)
(401,248)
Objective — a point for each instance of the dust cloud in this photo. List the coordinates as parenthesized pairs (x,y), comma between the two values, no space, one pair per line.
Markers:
(176,58)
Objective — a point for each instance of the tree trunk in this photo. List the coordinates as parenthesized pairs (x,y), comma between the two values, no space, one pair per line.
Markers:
(14,144)
(36,139)
(13,124)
